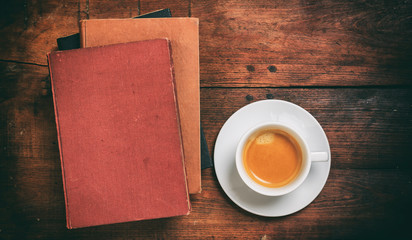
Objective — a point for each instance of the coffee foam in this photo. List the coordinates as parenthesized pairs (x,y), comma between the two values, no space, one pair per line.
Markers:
(265,138)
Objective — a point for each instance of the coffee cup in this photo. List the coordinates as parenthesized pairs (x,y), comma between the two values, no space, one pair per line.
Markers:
(273,158)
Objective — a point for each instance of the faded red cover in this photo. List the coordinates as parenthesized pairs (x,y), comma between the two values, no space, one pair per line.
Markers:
(118,130)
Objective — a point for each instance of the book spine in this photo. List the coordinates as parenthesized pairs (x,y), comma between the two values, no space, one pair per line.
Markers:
(56,113)
(179,124)
(83,34)
(196,20)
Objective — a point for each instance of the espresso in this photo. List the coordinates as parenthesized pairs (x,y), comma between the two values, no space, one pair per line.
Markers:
(272,158)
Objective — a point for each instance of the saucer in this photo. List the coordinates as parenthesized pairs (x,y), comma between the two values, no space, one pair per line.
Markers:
(225,154)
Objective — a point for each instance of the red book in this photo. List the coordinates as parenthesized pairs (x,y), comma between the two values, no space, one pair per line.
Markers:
(119,133)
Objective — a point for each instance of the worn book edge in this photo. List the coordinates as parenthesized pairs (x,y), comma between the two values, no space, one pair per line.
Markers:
(178,123)
(68,220)
(82,34)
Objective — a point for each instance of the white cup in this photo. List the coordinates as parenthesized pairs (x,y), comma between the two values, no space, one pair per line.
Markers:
(307,159)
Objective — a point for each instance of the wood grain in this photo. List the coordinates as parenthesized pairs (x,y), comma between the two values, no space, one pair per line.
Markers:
(362,202)
(348,64)
(304,43)
(264,43)
(365,203)
(113,9)
(30,28)
(178,8)
(366,127)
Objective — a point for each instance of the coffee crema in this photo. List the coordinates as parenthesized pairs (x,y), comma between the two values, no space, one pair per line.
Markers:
(272,158)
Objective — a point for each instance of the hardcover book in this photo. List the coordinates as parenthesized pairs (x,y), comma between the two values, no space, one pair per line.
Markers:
(184,36)
(73,41)
(119,133)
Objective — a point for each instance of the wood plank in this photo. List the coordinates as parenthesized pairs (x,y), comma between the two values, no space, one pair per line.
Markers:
(360,203)
(29,28)
(30,174)
(27,126)
(304,43)
(179,8)
(366,127)
(131,8)
(243,43)
(113,9)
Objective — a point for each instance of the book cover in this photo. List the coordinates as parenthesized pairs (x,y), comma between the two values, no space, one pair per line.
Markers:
(162,13)
(69,42)
(184,36)
(73,41)
(206,161)
(119,133)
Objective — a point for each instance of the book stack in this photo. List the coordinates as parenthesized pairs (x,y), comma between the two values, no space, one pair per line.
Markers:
(127,109)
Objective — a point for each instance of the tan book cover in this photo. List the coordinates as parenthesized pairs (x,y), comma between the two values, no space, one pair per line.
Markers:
(184,36)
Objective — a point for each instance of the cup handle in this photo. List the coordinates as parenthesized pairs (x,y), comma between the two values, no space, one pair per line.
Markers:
(319,156)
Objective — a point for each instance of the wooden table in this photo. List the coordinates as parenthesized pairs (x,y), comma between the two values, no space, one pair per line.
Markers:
(347,62)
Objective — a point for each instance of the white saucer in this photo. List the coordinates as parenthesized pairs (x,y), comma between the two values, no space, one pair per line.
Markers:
(225,151)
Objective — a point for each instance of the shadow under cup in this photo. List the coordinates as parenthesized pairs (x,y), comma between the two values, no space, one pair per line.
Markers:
(271,134)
